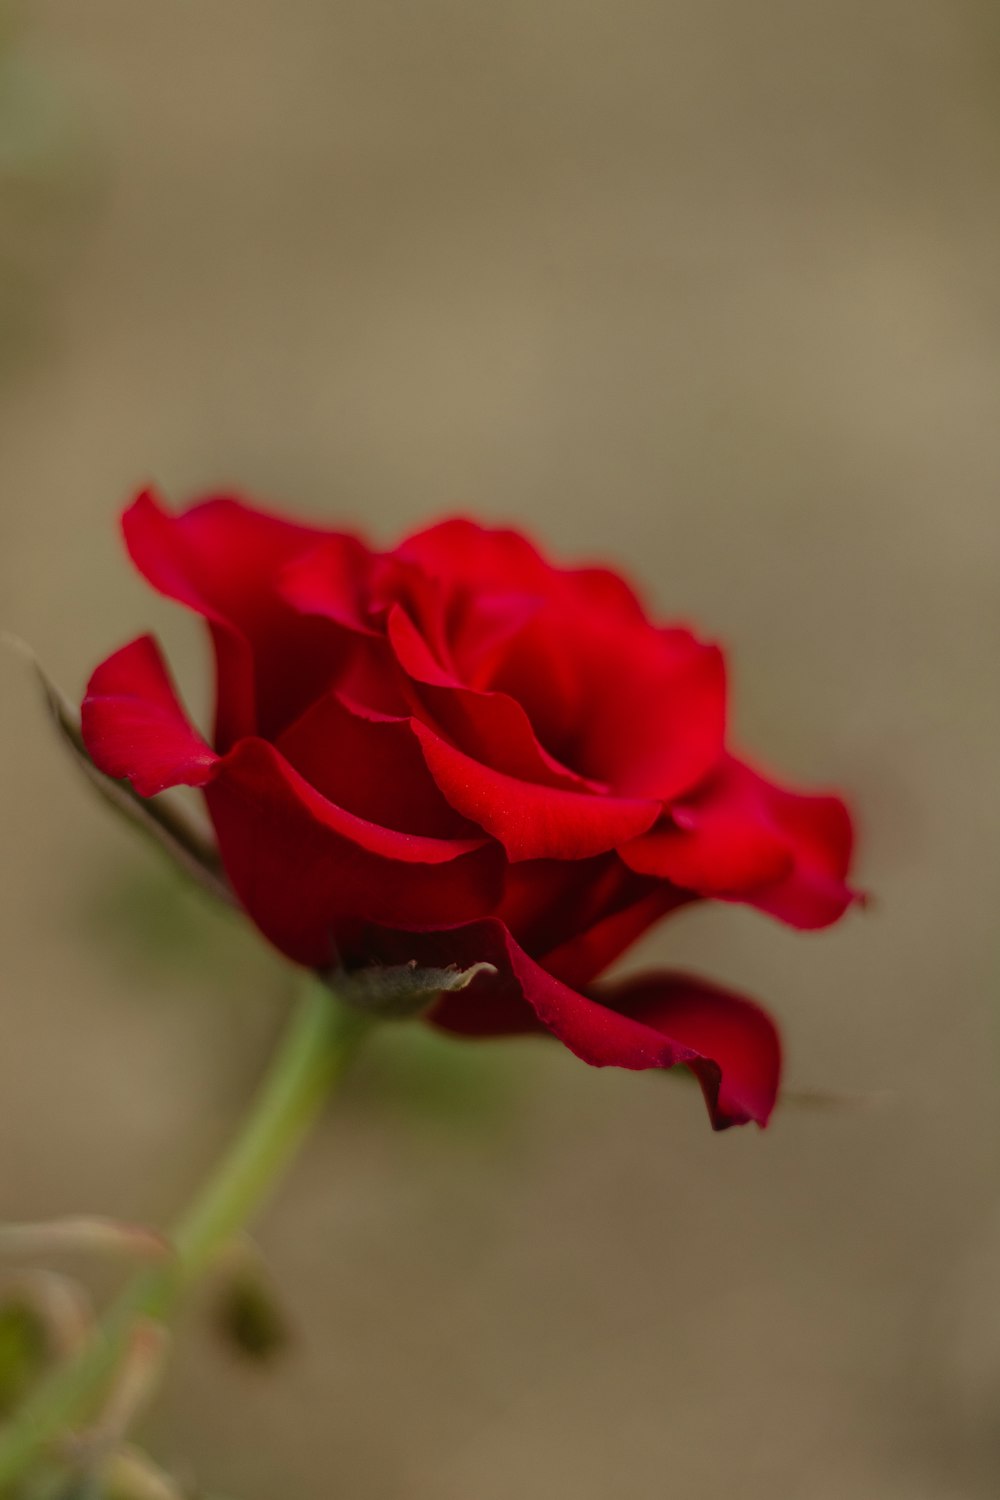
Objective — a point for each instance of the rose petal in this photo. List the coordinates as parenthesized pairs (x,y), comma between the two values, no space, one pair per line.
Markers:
(743,838)
(134,727)
(331,581)
(488,560)
(532,821)
(577,916)
(656,1021)
(371,765)
(639,709)
(583,958)
(820,833)
(224,560)
(598,588)
(489,726)
(482,629)
(303,867)
(733,1044)
(656,715)
(715,848)
(461,552)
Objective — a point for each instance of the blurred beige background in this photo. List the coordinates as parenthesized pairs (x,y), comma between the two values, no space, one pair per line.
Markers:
(704,286)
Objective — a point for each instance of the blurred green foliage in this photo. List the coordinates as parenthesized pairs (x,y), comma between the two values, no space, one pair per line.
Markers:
(23,1353)
(428,1076)
(156,924)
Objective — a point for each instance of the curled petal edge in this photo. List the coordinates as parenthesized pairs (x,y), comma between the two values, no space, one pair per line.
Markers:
(655,1021)
(532,821)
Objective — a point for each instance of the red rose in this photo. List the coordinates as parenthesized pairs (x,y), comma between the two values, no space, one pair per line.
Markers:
(454,751)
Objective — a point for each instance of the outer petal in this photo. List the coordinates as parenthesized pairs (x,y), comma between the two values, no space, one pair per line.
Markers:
(718,843)
(532,821)
(658,1021)
(304,868)
(134,726)
(745,839)
(498,560)
(327,580)
(599,588)
(662,1021)
(819,830)
(733,1045)
(224,559)
(461,552)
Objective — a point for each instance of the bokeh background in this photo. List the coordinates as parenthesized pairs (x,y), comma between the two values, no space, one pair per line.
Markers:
(705,287)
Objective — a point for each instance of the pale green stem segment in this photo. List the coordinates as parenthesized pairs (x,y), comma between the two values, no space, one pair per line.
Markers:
(313,1055)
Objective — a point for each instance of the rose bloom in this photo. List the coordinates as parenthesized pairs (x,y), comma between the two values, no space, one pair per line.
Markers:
(455,751)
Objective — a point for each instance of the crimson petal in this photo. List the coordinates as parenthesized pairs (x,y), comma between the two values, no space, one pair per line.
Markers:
(732,1044)
(656,718)
(743,838)
(582,958)
(223,559)
(479,558)
(656,1021)
(327,581)
(638,708)
(304,867)
(492,726)
(577,916)
(497,560)
(371,764)
(662,1021)
(134,727)
(532,821)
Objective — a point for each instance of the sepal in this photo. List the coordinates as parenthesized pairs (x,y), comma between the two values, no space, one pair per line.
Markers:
(160,818)
(396,991)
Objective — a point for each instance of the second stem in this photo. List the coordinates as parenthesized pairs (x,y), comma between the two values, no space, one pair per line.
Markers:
(315,1052)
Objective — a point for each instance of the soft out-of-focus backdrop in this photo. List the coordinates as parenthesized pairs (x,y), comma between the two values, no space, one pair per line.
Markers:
(708,288)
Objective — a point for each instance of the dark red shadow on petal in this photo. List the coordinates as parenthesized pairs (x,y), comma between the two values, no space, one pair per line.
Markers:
(584,957)
(372,765)
(305,869)
(577,916)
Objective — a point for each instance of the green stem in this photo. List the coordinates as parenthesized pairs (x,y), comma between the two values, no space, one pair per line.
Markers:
(313,1055)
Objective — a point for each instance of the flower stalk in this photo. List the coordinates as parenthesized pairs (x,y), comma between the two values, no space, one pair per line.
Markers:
(319,1044)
